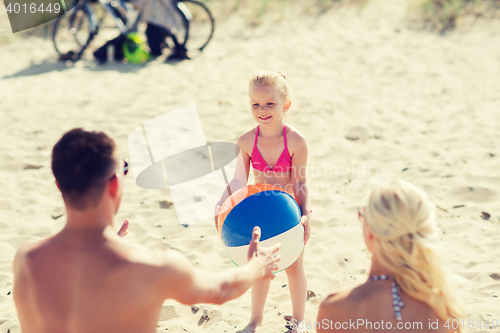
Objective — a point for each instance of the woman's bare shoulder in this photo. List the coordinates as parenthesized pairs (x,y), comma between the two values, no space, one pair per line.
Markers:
(347,299)
(336,306)
(336,300)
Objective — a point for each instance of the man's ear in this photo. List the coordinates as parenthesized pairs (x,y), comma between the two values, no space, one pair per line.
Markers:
(288,103)
(57,184)
(113,186)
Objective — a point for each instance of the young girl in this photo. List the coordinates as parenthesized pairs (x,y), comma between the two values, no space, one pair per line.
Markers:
(278,155)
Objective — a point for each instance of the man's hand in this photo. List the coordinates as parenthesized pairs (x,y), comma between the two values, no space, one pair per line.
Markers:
(306,222)
(265,256)
(124,229)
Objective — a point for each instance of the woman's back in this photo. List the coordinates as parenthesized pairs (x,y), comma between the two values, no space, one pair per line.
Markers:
(370,308)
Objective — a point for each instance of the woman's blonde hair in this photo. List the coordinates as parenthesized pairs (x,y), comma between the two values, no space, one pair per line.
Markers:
(402,220)
(271,79)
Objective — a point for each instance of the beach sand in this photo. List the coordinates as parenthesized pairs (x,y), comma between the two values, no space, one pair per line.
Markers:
(375,99)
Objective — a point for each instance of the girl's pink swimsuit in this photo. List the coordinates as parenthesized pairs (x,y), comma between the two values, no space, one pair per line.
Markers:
(283,164)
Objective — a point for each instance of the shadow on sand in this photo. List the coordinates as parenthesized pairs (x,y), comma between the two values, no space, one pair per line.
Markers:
(48,66)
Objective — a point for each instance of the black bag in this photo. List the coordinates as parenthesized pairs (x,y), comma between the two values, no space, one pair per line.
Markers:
(101,53)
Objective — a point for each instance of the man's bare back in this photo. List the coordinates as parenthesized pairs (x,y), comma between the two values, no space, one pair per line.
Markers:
(65,284)
(68,283)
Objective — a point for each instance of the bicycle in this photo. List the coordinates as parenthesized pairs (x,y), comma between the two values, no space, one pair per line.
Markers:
(74,31)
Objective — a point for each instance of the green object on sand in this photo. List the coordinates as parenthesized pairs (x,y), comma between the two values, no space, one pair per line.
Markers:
(134,48)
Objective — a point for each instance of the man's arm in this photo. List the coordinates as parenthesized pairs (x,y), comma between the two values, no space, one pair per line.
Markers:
(189,285)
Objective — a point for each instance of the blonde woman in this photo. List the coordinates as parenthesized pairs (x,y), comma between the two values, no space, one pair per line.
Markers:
(407,289)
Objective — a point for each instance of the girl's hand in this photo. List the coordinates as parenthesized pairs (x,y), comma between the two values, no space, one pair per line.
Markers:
(216,216)
(306,222)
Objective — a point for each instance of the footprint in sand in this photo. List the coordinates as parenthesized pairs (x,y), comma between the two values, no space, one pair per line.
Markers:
(476,194)
(357,133)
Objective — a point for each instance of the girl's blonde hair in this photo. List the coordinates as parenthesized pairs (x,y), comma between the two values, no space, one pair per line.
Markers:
(402,220)
(271,79)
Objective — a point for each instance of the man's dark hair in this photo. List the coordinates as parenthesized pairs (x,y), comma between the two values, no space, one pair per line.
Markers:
(81,163)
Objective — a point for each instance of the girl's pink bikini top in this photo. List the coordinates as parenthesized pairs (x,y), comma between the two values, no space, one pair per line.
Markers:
(283,164)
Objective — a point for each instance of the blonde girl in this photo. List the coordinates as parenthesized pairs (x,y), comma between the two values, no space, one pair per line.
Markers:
(407,282)
(278,154)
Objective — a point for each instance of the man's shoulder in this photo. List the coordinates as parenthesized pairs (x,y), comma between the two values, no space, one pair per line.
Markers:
(166,271)
(25,254)
(167,260)
(173,259)
(30,249)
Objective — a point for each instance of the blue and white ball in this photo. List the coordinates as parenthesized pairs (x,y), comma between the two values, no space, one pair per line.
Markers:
(274,211)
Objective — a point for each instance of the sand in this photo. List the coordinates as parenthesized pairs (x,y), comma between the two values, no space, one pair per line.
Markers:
(375,99)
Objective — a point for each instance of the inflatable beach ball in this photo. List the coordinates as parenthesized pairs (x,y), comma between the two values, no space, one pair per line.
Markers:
(273,210)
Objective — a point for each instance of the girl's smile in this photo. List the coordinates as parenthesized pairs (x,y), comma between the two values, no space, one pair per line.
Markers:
(267,104)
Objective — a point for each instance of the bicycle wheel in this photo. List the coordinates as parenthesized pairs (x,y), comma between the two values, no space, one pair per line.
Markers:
(199,25)
(72,31)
